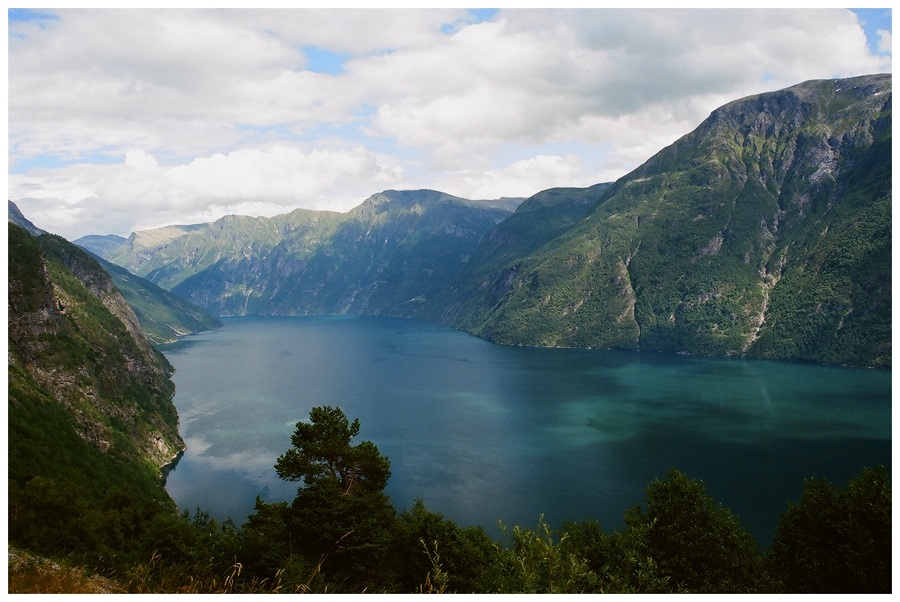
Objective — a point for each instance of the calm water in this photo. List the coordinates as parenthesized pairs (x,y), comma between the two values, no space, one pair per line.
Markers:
(484,433)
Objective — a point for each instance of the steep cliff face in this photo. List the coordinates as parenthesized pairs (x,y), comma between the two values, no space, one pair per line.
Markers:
(765,232)
(76,350)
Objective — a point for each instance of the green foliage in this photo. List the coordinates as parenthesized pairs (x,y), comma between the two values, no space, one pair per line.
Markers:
(323,455)
(629,565)
(27,284)
(457,559)
(836,305)
(621,560)
(345,518)
(696,543)
(48,461)
(270,537)
(348,535)
(536,562)
(836,541)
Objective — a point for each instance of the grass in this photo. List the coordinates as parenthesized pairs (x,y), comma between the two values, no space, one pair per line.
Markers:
(34,575)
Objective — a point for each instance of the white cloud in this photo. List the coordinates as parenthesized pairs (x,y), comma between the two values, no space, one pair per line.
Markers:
(140,160)
(139,193)
(215,110)
(281,175)
(884,41)
(523,177)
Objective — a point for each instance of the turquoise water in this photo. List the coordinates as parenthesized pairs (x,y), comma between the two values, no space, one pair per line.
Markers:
(484,433)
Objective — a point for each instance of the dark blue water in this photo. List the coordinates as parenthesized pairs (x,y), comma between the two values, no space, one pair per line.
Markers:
(485,433)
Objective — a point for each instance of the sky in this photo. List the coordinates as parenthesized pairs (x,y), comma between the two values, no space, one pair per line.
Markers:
(127,119)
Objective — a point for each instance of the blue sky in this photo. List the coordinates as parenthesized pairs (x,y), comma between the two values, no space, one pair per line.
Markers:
(873,20)
(129,119)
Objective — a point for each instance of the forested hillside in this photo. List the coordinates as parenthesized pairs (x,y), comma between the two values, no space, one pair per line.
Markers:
(91,419)
(766,232)
(388,256)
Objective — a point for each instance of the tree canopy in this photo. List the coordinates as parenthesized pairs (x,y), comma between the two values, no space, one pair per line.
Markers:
(697,543)
(836,540)
(323,454)
(341,515)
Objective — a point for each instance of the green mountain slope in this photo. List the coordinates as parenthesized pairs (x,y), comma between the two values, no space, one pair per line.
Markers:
(538,221)
(90,412)
(74,340)
(90,415)
(765,233)
(389,255)
(163,316)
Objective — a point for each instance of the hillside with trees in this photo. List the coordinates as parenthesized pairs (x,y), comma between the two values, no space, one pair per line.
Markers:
(91,419)
(764,233)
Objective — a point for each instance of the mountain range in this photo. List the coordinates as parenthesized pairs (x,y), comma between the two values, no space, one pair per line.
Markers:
(163,316)
(765,232)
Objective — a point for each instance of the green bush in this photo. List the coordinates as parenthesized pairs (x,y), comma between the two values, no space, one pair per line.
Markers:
(834,540)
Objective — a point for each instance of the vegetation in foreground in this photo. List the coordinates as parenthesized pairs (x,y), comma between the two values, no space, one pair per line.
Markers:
(342,534)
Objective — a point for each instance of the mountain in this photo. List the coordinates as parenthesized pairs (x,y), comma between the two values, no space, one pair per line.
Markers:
(536,222)
(101,245)
(389,255)
(766,232)
(90,413)
(91,422)
(16,217)
(164,316)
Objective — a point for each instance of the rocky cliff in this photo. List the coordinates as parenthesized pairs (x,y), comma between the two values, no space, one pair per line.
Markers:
(76,345)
